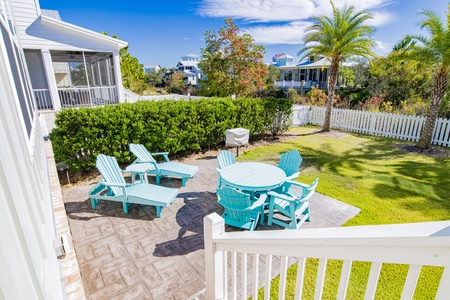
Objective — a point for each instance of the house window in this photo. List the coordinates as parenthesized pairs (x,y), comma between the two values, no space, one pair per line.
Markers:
(313,74)
(323,75)
(302,74)
(288,75)
(17,63)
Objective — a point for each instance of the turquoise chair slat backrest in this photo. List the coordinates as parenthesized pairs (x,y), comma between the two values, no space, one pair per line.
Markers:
(110,171)
(141,153)
(226,158)
(235,204)
(290,163)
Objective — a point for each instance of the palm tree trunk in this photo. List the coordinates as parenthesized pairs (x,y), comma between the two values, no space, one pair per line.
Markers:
(334,70)
(437,95)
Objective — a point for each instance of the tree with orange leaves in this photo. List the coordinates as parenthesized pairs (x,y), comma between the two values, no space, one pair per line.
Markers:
(231,63)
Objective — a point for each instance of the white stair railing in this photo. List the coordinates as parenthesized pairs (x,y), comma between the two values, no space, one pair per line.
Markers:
(415,244)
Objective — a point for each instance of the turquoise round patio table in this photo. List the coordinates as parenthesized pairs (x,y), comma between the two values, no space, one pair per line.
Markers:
(253,176)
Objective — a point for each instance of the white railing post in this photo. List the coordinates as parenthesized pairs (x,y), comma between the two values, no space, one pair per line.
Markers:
(214,226)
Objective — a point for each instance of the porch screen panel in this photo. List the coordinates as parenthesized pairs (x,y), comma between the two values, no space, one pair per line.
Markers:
(36,68)
(111,73)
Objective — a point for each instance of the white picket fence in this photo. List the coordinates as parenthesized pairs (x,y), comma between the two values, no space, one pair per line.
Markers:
(381,124)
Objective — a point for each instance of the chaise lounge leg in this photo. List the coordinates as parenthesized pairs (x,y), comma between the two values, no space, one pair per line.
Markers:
(125,207)
(94,203)
(183,181)
(158,211)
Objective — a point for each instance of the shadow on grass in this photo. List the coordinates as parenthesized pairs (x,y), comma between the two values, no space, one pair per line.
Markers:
(397,175)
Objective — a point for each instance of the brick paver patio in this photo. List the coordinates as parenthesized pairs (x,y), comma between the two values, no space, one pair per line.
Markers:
(138,256)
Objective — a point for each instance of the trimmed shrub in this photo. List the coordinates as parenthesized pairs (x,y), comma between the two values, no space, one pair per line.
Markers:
(175,126)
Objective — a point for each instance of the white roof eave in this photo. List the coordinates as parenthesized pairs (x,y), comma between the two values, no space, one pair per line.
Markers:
(120,44)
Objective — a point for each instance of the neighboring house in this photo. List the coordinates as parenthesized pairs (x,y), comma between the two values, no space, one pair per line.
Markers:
(151,68)
(29,265)
(308,73)
(189,66)
(69,66)
(282,59)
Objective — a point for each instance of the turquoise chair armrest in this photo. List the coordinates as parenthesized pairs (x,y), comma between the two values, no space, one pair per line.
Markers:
(261,200)
(282,196)
(115,184)
(165,154)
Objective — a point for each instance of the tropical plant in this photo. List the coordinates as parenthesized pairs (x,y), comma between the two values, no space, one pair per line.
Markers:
(400,78)
(133,74)
(435,52)
(338,38)
(231,63)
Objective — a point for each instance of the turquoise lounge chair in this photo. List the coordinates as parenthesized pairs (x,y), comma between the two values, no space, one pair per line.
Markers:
(118,190)
(166,168)
(290,163)
(224,159)
(292,204)
(239,210)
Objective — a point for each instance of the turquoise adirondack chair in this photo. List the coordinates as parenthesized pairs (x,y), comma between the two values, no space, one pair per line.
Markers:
(224,159)
(167,168)
(290,163)
(239,210)
(291,204)
(118,190)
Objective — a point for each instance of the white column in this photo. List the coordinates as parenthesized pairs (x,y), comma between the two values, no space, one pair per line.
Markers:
(53,89)
(118,77)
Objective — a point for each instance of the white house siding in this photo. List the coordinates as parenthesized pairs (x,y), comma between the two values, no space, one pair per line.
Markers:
(41,33)
(28,263)
(26,12)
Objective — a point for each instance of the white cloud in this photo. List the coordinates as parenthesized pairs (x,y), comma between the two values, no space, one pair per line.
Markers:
(295,13)
(258,10)
(282,10)
(380,18)
(284,34)
(382,48)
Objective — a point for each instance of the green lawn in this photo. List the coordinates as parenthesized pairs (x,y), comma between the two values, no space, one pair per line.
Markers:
(388,186)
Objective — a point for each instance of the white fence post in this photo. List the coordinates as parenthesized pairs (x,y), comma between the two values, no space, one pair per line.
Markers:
(215,265)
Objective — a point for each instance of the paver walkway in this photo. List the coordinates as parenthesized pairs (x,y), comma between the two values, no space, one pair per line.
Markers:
(138,256)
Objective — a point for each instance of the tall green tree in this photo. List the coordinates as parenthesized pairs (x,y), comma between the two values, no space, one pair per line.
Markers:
(336,38)
(231,63)
(401,78)
(435,52)
(133,74)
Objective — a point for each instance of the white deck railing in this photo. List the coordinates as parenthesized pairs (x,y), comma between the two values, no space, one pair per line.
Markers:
(132,97)
(300,84)
(43,99)
(374,123)
(415,244)
(87,96)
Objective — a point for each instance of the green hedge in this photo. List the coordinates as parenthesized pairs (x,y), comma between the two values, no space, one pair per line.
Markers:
(178,127)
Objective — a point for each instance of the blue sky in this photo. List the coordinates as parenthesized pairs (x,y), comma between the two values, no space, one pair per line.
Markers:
(160,32)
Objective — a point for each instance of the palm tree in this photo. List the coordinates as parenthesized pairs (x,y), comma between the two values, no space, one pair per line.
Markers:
(435,52)
(337,38)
